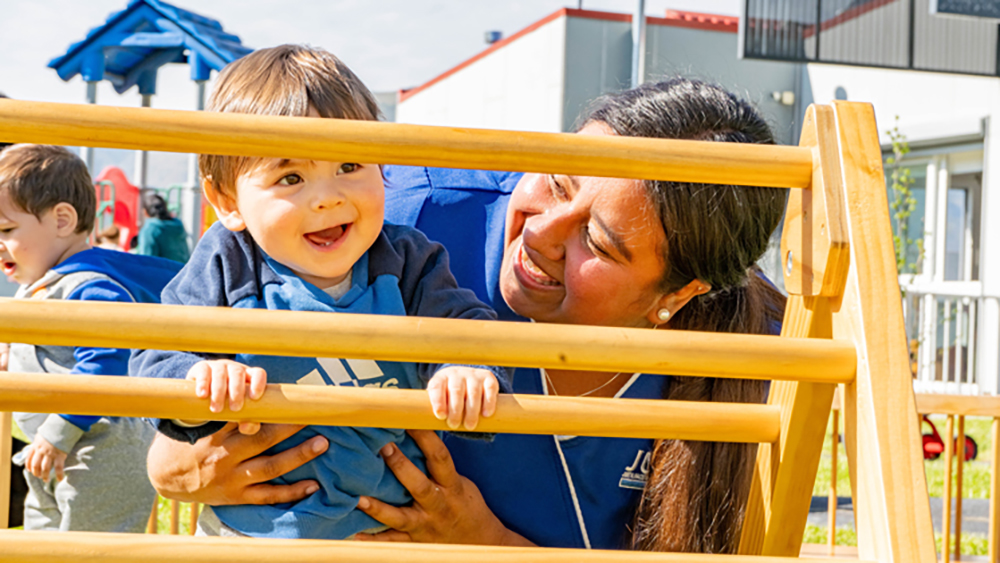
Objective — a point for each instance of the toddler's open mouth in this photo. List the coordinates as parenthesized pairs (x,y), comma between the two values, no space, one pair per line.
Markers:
(328,238)
(8,268)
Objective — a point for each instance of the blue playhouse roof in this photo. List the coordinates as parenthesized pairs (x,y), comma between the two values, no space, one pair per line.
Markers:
(133,43)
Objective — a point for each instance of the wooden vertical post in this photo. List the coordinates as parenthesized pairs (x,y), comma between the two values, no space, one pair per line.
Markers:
(881,433)
(815,241)
(949,453)
(960,456)
(994,519)
(831,506)
(6,446)
(175,517)
(193,518)
(152,526)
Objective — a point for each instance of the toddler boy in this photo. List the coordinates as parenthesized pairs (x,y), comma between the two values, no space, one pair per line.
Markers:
(309,236)
(83,472)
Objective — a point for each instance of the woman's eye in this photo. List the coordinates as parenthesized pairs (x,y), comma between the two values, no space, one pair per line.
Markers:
(592,243)
(290,180)
(348,167)
(558,191)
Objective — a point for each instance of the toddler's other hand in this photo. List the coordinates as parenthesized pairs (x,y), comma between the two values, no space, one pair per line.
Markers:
(4,355)
(219,379)
(458,392)
(43,457)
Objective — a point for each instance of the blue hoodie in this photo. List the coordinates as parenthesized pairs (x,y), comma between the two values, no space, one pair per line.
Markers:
(136,279)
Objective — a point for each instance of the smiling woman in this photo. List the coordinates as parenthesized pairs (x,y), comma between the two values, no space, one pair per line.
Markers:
(577,250)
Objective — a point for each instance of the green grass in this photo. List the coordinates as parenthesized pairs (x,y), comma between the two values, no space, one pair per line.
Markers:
(975,476)
(16,432)
(163,517)
(819,534)
(975,481)
(972,544)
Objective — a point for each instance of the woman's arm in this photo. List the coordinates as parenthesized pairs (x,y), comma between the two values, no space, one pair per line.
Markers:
(227,468)
(447,507)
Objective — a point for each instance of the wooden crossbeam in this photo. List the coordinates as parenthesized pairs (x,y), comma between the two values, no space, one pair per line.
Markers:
(396,143)
(417,339)
(83,547)
(391,408)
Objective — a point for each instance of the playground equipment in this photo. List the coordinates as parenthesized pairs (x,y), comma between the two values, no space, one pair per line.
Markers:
(117,204)
(128,50)
(843,324)
(934,444)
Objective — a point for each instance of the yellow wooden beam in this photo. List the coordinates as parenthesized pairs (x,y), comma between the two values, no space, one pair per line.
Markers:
(6,424)
(289,333)
(391,408)
(815,240)
(959,405)
(783,479)
(882,435)
(89,547)
(994,514)
(396,143)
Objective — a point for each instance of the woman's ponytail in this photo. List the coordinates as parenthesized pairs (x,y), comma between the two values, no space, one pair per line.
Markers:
(695,498)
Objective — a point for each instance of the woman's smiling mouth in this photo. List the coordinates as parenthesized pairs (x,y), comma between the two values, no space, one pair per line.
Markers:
(532,271)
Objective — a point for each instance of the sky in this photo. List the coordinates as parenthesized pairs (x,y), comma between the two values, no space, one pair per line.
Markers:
(390,44)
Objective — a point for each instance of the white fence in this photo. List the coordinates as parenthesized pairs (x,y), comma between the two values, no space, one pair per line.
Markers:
(945,326)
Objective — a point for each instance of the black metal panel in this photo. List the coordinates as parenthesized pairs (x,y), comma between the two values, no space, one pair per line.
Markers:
(976,8)
(880,33)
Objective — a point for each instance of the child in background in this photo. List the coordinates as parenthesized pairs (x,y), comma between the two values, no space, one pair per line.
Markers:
(109,238)
(309,236)
(83,472)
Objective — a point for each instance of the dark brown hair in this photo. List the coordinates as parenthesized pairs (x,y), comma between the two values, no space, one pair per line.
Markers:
(38,177)
(284,80)
(695,498)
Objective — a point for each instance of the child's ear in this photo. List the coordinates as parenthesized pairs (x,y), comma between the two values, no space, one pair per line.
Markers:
(66,219)
(225,206)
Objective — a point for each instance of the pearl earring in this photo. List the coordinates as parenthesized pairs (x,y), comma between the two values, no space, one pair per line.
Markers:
(663,315)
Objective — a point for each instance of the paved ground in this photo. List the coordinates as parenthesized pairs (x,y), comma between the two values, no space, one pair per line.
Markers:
(975,514)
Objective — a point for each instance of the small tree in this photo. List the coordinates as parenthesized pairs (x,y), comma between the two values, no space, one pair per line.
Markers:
(902,204)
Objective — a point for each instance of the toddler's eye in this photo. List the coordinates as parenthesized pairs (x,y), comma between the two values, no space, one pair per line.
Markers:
(348,167)
(290,180)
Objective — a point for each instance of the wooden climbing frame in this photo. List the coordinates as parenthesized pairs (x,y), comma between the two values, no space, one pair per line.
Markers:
(843,324)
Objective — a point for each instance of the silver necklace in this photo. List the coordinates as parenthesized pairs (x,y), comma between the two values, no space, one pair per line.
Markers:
(552,386)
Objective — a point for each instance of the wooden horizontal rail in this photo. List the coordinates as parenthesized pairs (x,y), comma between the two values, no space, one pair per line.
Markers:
(90,547)
(392,408)
(417,339)
(961,405)
(395,143)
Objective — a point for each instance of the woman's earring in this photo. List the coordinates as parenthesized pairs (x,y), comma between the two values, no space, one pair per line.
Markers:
(663,315)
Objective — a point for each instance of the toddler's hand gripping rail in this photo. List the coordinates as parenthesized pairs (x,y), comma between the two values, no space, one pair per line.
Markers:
(843,324)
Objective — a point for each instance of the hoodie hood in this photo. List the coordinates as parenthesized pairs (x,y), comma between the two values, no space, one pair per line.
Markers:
(143,276)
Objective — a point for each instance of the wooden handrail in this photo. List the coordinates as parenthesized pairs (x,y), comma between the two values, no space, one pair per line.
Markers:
(961,405)
(396,143)
(392,408)
(45,547)
(289,333)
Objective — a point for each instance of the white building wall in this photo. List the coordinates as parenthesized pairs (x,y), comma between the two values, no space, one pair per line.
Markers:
(711,56)
(939,109)
(518,86)
(598,61)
